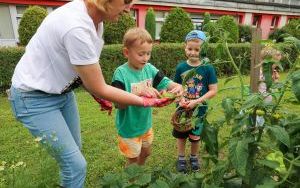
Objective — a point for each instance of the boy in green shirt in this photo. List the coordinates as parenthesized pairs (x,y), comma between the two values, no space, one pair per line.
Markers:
(199,88)
(134,124)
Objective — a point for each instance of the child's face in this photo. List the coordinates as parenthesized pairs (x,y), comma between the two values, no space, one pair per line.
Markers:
(277,56)
(192,50)
(138,54)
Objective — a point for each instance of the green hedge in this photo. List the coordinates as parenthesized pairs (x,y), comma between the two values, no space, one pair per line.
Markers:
(165,57)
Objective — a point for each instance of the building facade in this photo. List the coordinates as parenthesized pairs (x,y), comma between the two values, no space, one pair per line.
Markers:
(266,14)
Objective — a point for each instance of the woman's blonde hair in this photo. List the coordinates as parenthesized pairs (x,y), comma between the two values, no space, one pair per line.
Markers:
(134,34)
(105,5)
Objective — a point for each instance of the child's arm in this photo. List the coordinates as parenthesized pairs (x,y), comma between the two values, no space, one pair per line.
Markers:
(213,88)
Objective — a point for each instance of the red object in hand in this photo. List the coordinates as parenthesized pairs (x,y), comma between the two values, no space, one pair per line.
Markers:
(105,105)
(154,102)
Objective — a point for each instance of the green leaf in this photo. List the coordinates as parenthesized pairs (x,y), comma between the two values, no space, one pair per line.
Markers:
(268,163)
(296,163)
(280,134)
(134,170)
(159,184)
(219,171)
(188,75)
(277,157)
(144,179)
(252,100)
(228,107)
(238,154)
(210,138)
(268,183)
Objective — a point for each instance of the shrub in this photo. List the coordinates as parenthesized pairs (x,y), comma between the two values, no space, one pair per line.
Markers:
(293,28)
(278,35)
(165,57)
(176,26)
(245,33)
(206,19)
(211,29)
(229,24)
(114,31)
(9,58)
(31,20)
(150,24)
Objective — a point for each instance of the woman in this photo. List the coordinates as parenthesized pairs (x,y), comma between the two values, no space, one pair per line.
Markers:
(62,55)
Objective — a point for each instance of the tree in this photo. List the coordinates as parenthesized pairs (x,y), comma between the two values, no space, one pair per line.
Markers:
(176,26)
(31,20)
(114,32)
(150,25)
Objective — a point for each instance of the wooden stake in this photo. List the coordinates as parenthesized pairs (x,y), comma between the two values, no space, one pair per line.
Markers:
(255,59)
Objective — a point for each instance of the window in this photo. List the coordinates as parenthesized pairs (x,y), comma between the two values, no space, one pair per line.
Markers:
(20,11)
(6,32)
(159,19)
(256,20)
(197,20)
(275,21)
(133,14)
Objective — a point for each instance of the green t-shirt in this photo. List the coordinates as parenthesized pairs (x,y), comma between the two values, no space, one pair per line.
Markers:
(197,85)
(134,121)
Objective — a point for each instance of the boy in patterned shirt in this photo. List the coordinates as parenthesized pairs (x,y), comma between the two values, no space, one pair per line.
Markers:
(199,88)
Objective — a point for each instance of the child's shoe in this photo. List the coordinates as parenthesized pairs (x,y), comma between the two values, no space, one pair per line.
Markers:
(181,166)
(195,166)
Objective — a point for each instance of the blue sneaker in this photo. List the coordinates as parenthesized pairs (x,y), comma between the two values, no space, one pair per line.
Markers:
(181,166)
(195,166)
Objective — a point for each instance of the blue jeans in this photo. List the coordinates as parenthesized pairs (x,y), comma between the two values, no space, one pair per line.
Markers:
(54,119)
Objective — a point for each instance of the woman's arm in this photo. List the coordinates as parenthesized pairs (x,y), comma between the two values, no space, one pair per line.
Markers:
(93,81)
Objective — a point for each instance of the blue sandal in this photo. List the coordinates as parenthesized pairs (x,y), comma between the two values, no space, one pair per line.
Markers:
(195,166)
(181,166)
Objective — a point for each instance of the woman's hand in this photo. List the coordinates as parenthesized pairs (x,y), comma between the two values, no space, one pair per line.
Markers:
(155,102)
(105,105)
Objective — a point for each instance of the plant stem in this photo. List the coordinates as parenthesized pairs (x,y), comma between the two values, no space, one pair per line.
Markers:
(289,171)
(285,83)
(236,69)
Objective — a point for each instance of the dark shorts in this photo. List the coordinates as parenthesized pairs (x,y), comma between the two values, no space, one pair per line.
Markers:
(193,134)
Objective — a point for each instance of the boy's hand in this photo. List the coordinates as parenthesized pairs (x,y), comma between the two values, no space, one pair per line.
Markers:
(189,104)
(183,102)
(105,105)
(154,102)
(177,90)
(149,92)
(192,104)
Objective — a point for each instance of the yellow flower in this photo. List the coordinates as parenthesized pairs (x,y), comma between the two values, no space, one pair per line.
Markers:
(13,166)
(21,163)
(38,139)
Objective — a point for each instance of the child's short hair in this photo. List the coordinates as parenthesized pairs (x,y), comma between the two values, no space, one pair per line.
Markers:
(134,34)
(268,52)
(195,35)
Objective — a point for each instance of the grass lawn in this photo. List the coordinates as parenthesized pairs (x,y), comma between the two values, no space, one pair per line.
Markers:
(99,143)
